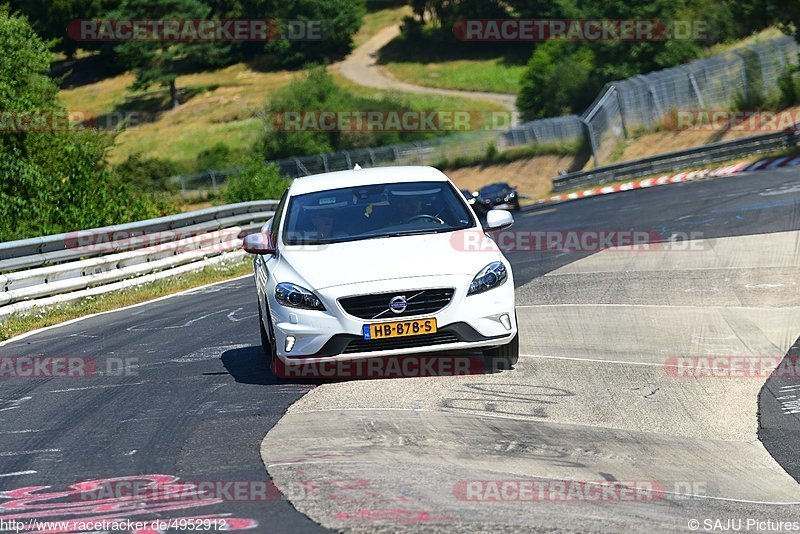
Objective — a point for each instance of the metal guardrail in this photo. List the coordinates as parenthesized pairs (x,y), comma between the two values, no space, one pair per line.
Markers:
(37,245)
(101,260)
(678,160)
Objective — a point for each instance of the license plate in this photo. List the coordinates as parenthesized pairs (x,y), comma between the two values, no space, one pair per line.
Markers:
(400,329)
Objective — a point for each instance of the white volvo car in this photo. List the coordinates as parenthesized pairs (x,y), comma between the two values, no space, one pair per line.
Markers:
(378,262)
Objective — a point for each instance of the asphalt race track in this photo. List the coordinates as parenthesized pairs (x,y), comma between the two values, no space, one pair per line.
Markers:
(595,397)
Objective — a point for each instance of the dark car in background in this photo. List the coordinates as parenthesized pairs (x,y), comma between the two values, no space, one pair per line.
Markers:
(472,200)
(497,195)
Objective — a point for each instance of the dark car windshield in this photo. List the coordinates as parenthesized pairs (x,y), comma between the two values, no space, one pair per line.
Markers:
(384,210)
(494,188)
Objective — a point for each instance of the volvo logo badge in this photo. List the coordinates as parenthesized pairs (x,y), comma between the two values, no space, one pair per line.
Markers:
(398,304)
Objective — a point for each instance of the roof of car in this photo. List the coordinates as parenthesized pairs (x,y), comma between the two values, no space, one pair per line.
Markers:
(378,175)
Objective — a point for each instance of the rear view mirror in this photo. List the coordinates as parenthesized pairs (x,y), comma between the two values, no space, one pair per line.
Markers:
(258,243)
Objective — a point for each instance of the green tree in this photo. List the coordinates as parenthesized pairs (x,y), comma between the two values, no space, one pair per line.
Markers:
(557,81)
(338,21)
(57,180)
(50,18)
(158,62)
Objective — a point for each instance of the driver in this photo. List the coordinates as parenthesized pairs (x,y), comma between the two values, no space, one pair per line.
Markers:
(407,207)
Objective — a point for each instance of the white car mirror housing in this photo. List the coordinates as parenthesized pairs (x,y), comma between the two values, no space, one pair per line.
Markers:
(498,220)
(258,243)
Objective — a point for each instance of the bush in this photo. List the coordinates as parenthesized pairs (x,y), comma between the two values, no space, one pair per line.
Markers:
(557,81)
(318,92)
(146,174)
(256,181)
(219,156)
(789,85)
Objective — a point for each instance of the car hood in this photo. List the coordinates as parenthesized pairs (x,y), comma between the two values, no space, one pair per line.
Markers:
(464,252)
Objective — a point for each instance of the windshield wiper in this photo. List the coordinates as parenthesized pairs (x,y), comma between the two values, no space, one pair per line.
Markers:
(419,232)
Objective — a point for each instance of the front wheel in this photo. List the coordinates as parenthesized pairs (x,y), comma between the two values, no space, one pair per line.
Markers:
(504,357)
(270,351)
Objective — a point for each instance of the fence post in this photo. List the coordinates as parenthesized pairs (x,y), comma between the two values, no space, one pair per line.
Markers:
(325,163)
(213,181)
(621,111)
(592,142)
(744,71)
(696,88)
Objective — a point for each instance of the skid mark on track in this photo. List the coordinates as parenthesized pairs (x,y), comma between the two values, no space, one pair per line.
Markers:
(143,328)
(12,404)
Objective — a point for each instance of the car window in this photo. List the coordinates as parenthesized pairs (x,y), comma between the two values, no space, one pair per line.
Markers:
(382,210)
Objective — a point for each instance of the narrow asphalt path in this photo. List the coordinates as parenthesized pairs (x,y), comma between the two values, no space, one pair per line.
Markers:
(361,67)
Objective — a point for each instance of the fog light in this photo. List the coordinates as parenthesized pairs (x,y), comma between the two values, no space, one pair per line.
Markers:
(506,320)
(289,343)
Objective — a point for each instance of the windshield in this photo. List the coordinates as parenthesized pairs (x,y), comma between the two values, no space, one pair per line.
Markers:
(494,188)
(384,210)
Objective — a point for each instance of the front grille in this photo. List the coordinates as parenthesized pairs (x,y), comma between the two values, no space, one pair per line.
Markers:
(376,306)
(410,342)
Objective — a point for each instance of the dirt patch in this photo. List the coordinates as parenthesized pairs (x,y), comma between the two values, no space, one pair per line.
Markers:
(532,176)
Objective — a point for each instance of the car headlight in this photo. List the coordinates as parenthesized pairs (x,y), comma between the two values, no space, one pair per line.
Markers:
(510,196)
(294,296)
(493,275)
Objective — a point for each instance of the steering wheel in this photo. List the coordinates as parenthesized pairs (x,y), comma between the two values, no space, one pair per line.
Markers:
(425,216)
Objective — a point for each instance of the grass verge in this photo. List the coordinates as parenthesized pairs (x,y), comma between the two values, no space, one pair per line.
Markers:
(433,58)
(40,318)
(495,157)
(489,75)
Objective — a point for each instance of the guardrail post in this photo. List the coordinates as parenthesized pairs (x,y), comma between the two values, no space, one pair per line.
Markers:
(213,182)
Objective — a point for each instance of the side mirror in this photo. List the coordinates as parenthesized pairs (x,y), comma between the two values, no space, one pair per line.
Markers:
(498,220)
(258,243)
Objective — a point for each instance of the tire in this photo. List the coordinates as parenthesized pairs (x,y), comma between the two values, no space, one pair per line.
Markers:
(270,352)
(504,357)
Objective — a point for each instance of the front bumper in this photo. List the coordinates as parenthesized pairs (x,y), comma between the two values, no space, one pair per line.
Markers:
(465,324)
